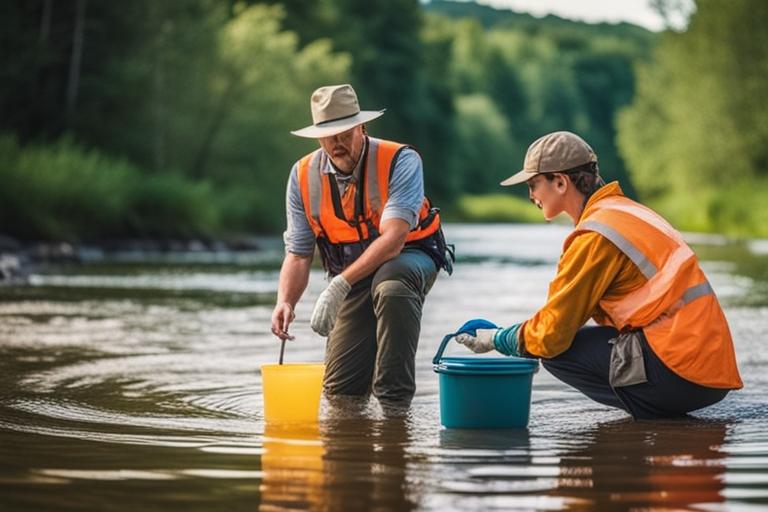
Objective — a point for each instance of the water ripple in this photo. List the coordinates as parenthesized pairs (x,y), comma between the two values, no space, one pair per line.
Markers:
(138,386)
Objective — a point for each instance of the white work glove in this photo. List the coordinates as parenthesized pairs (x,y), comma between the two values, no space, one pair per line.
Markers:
(328,305)
(481,343)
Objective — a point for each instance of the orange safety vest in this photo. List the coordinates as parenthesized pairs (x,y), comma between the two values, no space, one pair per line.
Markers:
(676,308)
(354,215)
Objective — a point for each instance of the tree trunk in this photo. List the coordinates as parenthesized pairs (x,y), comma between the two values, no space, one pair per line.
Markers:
(159,112)
(45,22)
(220,113)
(73,83)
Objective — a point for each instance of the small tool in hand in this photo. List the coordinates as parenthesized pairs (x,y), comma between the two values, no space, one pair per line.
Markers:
(282,350)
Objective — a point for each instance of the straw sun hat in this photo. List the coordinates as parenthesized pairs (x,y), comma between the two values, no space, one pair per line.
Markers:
(335,109)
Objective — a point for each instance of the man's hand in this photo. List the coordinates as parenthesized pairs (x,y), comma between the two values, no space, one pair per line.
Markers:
(328,305)
(481,343)
(282,316)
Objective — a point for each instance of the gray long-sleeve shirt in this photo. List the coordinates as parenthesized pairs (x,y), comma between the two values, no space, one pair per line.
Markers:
(406,194)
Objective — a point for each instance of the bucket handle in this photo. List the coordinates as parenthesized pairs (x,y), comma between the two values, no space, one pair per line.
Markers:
(470,327)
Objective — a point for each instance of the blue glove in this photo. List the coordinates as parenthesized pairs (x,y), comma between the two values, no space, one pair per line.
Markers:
(471,326)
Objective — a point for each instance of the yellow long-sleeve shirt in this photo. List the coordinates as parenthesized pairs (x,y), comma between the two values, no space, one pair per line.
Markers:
(590,269)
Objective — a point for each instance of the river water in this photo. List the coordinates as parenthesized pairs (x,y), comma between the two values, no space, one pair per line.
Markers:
(135,385)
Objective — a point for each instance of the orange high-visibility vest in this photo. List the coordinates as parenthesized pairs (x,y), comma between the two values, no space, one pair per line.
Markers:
(317,196)
(676,308)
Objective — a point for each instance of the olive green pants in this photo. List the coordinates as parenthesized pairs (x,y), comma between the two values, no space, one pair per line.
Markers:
(372,346)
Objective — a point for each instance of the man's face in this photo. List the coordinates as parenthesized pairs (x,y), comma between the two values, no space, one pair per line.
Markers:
(344,148)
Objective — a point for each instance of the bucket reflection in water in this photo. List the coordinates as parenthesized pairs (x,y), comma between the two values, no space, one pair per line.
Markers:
(504,441)
(292,392)
(292,466)
(338,464)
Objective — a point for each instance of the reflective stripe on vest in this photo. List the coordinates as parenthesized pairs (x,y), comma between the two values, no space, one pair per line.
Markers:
(372,192)
(696,291)
(676,307)
(646,267)
(319,161)
(659,282)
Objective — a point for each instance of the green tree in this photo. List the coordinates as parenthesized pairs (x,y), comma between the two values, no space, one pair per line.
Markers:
(390,69)
(261,93)
(484,149)
(695,135)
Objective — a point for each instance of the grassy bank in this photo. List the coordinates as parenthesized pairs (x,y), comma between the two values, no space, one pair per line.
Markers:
(65,192)
(737,211)
(740,210)
(495,208)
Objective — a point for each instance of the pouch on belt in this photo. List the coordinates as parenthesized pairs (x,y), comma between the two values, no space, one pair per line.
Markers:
(627,365)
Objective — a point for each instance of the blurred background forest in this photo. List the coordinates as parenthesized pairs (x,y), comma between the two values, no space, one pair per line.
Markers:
(157,119)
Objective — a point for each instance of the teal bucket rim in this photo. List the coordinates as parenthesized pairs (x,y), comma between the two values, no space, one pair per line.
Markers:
(487,366)
(505,360)
(480,372)
(508,365)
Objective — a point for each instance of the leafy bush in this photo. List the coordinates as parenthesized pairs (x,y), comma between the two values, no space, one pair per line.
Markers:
(694,136)
(61,191)
(168,204)
(738,210)
(64,192)
(497,208)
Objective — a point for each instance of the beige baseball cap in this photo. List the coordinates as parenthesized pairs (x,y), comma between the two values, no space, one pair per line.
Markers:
(335,109)
(554,152)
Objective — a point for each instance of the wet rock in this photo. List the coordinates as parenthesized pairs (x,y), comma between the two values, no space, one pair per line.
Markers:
(174,245)
(219,246)
(56,252)
(8,244)
(10,268)
(196,246)
(244,244)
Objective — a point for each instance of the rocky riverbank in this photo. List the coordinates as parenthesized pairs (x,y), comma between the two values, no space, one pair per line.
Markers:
(10,260)
(18,259)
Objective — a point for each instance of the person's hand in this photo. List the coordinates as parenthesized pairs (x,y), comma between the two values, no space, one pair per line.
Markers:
(282,316)
(481,343)
(328,305)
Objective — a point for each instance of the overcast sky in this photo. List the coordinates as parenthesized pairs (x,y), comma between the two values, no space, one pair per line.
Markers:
(633,11)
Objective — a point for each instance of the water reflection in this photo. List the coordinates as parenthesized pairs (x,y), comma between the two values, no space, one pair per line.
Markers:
(347,462)
(366,464)
(512,441)
(292,467)
(669,464)
(621,465)
(142,394)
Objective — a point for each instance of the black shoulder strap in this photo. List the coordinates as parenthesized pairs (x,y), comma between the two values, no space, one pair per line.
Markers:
(361,190)
(338,209)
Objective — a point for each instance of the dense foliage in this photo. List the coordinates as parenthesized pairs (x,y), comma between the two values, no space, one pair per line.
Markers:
(695,135)
(164,118)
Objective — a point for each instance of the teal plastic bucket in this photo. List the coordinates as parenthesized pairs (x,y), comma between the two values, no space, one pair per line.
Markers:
(484,392)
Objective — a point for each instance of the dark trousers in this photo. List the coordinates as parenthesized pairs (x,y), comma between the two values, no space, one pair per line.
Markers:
(585,367)
(373,344)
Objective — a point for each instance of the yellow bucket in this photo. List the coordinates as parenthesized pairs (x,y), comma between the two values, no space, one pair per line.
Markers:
(292,392)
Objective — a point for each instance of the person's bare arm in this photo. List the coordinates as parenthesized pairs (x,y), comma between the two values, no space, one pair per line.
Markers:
(294,276)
